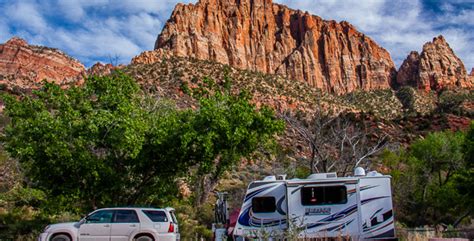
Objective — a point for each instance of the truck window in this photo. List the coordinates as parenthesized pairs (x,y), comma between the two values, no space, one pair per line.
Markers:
(323,195)
(126,216)
(156,216)
(173,216)
(263,204)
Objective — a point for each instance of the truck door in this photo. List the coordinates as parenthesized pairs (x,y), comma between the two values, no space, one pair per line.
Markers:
(97,226)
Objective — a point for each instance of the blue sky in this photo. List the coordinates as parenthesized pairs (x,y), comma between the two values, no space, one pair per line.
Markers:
(116,30)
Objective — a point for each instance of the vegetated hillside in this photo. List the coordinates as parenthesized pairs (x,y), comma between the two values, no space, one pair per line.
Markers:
(172,75)
(403,115)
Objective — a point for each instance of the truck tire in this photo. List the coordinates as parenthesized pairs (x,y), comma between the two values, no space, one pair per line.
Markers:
(61,237)
(143,237)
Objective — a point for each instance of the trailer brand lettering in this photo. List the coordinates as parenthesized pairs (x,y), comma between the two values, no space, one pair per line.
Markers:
(317,211)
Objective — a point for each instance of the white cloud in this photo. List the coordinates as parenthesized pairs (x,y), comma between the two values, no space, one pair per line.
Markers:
(162,7)
(26,14)
(72,10)
(4,31)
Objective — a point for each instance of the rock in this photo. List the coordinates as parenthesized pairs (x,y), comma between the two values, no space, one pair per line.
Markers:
(409,70)
(436,68)
(101,69)
(262,36)
(150,57)
(25,66)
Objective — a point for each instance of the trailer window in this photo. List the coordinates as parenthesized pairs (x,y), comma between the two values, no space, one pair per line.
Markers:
(323,195)
(263,204)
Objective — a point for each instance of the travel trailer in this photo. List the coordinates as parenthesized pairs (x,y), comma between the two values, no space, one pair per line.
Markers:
(321,206)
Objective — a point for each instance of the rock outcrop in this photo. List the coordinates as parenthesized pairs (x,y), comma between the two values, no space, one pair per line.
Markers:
(24,66)
(271,38)
(471,76)
(100,69)
(436,68)
(150,57)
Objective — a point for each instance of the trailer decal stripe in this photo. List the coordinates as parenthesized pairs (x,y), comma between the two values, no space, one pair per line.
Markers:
(373,215)
(252,194)
(335,217)
(386,216)
(344,213)
(389,234)
(247,219)
(383,226)
(337,227)
(279,206)
(372,199)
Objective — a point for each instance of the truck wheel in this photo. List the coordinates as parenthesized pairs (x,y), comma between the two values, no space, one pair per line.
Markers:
(61,237)
(143,238)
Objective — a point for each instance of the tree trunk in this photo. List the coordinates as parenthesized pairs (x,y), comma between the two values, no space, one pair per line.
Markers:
(206,185)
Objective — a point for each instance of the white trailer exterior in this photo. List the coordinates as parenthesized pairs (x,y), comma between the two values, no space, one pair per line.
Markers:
(321,206)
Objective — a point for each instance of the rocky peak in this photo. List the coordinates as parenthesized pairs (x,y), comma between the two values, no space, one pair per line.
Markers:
(408,69)
(436,68)
(271,38)
(16,41)
(25,66)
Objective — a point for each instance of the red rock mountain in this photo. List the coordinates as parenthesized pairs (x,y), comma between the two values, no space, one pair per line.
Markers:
(23,65)
(436,68)
(262,36)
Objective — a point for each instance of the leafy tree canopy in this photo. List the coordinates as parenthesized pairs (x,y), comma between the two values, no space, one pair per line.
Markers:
(107,143)
(430,179)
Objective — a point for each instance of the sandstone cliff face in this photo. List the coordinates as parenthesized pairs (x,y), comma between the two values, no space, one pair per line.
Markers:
(436,68)
(23,65)
(271,38)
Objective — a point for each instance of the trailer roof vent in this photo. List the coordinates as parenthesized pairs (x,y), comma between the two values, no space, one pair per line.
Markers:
(282,177)
(359,172)
(374,174)
(331,175)
(269,178)
(323,175)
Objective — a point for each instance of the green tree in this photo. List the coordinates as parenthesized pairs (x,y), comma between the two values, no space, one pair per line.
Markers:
(107,143)
(72,143)
(225,128)
(425,191)
(464,180)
